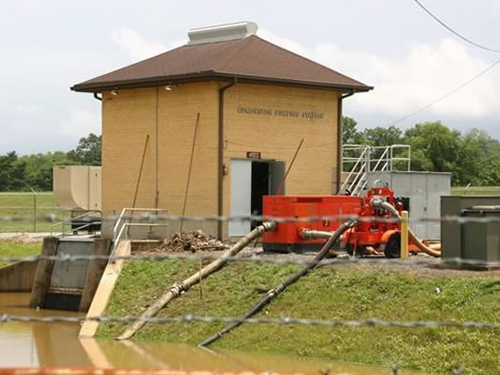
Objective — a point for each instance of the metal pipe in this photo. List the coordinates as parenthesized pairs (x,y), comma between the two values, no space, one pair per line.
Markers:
(190,169)
(177,289)
(220,156)
(340,126)
(96,96)
(282,184)
(280,288)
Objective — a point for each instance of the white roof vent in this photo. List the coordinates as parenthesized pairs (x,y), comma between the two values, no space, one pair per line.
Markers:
(222,33)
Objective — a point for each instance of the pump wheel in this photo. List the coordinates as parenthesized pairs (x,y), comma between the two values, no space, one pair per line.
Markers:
(393,246)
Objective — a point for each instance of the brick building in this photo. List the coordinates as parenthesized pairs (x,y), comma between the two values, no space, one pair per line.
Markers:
(243,102)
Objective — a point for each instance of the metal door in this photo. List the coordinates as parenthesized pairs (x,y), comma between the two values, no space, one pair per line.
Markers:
(277,174)
(241,195)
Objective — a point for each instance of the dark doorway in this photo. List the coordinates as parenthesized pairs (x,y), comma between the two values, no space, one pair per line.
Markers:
(260,187)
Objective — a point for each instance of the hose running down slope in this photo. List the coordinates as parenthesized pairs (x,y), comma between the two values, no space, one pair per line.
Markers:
(177,289)
(280,288)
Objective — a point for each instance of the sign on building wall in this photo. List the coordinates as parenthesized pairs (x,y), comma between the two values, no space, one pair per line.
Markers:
(276,112)
(253,155)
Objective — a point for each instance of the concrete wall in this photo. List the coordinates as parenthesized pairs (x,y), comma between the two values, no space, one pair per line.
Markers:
(17,277)
(169,117)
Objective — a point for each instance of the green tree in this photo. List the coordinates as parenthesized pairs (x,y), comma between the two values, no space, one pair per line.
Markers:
(438,148)
(380,136)
(350,132)
(479,159)
(88,151)
(39,168)
(12,172)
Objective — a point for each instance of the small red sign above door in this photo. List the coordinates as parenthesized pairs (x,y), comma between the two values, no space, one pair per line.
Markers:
(253,155)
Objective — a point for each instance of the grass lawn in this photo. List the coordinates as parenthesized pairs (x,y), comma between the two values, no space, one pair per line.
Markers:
(17,213)
(476,190)
(328,293)
(15,249)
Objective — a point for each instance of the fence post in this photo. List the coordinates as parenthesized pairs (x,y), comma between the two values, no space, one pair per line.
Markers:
(404,235)
(34,209)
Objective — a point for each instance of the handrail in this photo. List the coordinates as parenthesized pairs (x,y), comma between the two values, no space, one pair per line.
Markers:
(63,222)
(386,151)
(86,225)
(128,225)
(357,179)
(117,233)
(125,210)
(360,185)
(366,162)
(346,182)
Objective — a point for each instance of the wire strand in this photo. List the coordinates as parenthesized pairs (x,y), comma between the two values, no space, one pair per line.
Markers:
(489,68)
(456,33)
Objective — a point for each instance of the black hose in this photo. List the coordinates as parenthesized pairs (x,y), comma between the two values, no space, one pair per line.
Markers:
(280,288)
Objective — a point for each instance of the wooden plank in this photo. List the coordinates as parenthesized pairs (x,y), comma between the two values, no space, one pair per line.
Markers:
(94,272)
(43,272)
(104,290)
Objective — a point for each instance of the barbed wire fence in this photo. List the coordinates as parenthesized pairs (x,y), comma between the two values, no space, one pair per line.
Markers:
(261,258)
(31,211)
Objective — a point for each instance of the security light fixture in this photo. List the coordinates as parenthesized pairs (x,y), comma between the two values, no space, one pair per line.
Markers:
(114,92)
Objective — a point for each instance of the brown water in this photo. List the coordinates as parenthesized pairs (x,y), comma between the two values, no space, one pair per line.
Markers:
(57,344)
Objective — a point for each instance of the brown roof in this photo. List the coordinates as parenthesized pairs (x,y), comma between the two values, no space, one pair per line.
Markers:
(249,60)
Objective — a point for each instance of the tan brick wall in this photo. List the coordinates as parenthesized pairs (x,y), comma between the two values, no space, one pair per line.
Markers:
(129,117)
(277,137)
(169,119)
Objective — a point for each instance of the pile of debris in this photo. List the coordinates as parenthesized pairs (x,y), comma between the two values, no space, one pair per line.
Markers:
(192,241)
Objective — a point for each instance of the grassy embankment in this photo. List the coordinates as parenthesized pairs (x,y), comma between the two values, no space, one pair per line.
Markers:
(17,212)
(14,249)
(341,293)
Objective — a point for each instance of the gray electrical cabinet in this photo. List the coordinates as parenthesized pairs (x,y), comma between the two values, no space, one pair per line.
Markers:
(481,239)
(424,190)
(477,239)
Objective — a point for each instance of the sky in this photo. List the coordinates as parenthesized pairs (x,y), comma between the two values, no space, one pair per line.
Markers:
(49,45)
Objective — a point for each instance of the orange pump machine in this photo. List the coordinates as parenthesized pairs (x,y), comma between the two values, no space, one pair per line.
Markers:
(377,231)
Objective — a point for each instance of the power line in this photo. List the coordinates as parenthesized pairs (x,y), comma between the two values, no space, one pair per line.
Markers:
(447,94)
(457,34)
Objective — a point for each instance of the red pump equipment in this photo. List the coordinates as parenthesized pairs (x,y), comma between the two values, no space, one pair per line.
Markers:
(377,230)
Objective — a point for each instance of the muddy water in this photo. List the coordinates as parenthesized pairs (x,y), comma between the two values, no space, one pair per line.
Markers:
(37,344)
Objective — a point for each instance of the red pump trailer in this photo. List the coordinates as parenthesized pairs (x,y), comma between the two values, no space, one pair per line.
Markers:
(376,231)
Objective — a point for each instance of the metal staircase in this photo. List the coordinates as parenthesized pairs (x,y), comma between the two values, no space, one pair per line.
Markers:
(359,160)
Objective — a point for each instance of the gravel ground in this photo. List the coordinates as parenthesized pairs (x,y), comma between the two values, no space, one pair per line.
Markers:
(421,264)
(24,237)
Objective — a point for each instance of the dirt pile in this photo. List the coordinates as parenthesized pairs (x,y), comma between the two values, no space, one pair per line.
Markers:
(192,241)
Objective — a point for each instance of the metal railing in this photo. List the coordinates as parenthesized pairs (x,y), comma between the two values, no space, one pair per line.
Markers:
(359,160)
(85,221)
(127,214)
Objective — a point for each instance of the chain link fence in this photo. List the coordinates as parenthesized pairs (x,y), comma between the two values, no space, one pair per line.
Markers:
(34,212)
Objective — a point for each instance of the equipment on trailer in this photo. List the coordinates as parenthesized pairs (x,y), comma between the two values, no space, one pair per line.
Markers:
(308,219)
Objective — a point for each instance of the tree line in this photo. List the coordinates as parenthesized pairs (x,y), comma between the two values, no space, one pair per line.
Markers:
(23,173)
(472,157)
